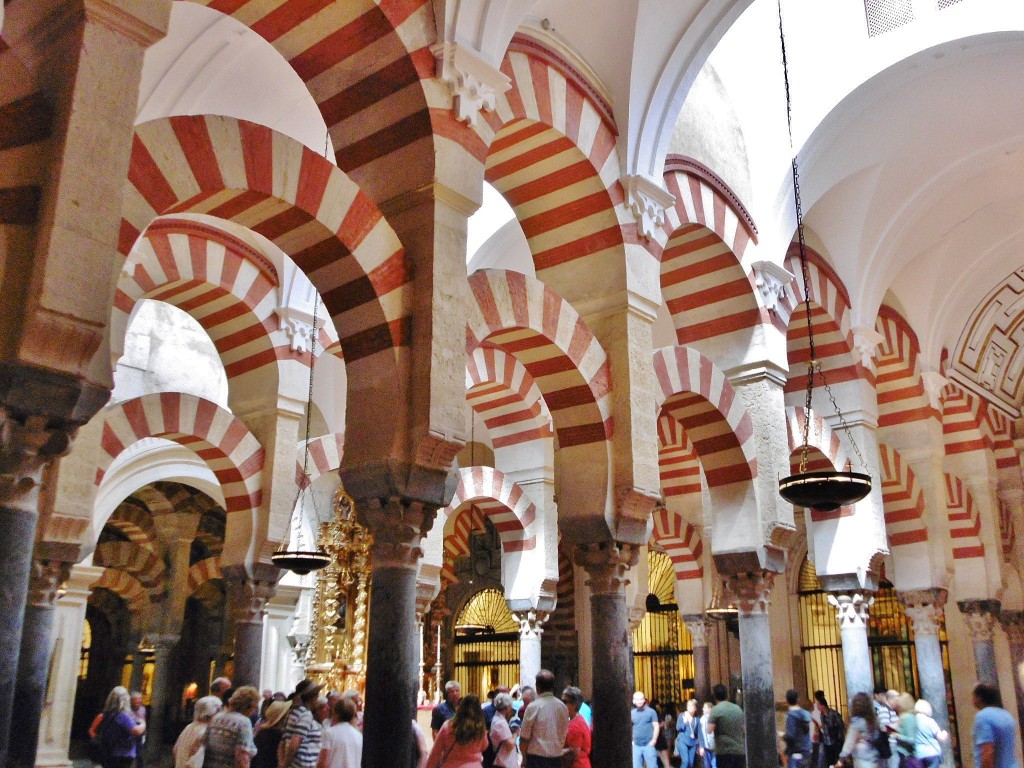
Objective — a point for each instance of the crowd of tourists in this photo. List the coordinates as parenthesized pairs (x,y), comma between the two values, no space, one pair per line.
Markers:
(531,727)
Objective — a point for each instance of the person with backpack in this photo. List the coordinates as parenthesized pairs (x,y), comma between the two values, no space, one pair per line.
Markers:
(833,731)
(862,736)
(798,732)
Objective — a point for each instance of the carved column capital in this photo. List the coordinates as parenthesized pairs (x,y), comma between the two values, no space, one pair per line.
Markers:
(607,564)
(980,617)
(749,592)
(1012,623)
(26,445)
(531,623)
(697,626)
(248,597)
(45,580)
(648,201)
(925,609)
(398,526)
(474,84)
(298,326)
(866,340)
(851,608)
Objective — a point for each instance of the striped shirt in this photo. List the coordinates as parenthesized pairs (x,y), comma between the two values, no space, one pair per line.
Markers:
(302,724)
(227,732)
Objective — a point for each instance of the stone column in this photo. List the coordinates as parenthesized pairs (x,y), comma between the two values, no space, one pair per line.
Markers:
(750,592)
(247,597)
(164,646)
(697,626)
(397,527)
(852,613)
(59,703)
(607,564)
(531,627)
(1013,625)
(924,608)
(45,579)
(980,616)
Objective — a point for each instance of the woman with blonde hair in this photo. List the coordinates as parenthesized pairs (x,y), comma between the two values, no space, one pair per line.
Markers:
(228,741)
(187,748)
(906,734)
(930,736)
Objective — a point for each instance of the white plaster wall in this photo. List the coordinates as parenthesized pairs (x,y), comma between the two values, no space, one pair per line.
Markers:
(166,350)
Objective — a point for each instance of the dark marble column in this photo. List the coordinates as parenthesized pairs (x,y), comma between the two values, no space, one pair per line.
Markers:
(697,626)
(750,592)
(34,660)
(248,595)
(980,616)
(852,614)
(392,657)
(924,608)
(164,647)
(607,565)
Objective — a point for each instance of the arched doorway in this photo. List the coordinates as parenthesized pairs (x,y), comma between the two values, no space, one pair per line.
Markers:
(662,646)
(486,647)
(890,640)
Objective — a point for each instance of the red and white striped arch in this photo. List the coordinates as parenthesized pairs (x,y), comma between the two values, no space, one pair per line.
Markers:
(232,452)
(828,449)
(901,499)
(135,523)
(222,282)
(125,586)
(369,68)
(678,463)
(325,454)
(202,572)
(698,395)
(504,394)
(562,622)
(830,319)
(963,427)
(511,513)
(964,523)
(681,542)
(268,182)
(705,288)
(526,318)
(552,156)
(462,523)
(900,390)
(140,562)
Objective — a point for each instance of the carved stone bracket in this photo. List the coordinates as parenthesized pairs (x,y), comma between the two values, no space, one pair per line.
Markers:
(867,340)
(648,201)
(980,617)
(934,383)
(531,623)
(607,564)
(1012,623)
(398,527)
(925,609)
(45,581)
(771,280)
(698,628)
(749,592)
(473,83)
(851,608)
(297,324)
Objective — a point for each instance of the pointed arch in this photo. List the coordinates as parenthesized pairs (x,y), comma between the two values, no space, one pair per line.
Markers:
(505,395)
(901,499)
(526,318)
(681,542)
(268,182)
(232,452)
(701,398)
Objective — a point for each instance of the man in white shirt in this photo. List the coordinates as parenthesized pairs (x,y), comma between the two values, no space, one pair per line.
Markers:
(545,724)
(342,744)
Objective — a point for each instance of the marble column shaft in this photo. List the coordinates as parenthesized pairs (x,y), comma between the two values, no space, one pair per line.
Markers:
(924,609)
(697,626)
(34,660)
(852,614)
(608,565)
(248,602)
(165,647)
(750,593)
(531,627)
(1013,625)
(980,617)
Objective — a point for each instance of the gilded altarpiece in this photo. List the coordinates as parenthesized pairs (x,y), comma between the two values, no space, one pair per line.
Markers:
(341,603)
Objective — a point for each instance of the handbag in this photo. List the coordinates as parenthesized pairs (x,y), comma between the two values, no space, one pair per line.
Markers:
(568,759)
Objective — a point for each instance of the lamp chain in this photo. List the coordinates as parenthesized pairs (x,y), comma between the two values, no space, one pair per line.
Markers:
(299,499)
(813,365)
